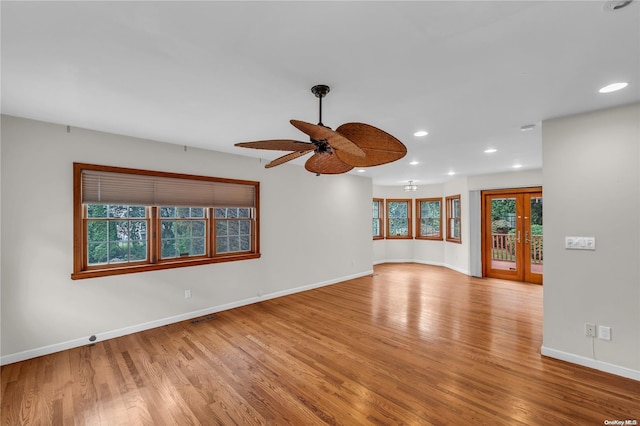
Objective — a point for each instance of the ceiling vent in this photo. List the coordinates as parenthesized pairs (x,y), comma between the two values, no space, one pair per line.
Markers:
(615,5)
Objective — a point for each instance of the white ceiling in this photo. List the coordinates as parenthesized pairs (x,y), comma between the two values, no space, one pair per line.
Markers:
(210,74)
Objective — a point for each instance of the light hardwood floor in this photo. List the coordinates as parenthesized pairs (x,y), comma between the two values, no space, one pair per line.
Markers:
(412,344)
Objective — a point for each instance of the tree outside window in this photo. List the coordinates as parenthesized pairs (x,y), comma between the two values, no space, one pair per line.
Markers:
(377,224)
(429,218)
(183,232)
(454,213)
(233,230)
(116,234)
(399,219)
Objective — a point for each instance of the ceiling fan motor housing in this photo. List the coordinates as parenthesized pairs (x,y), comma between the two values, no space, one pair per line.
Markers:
(320,90)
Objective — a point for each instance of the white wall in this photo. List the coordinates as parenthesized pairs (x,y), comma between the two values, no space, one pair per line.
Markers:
(592,188)
(456,255)
(312,234)
(518,179)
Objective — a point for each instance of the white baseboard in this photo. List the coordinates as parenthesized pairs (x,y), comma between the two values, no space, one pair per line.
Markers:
(378,262)
(426,262)
(422,262)
(83,341)
(591,363)
(455,268)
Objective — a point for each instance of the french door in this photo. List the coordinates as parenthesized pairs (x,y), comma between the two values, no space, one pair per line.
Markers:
(512,234)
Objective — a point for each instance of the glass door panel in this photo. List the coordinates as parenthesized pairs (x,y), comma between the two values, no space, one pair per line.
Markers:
(503,234)
(534,265)
(512,234)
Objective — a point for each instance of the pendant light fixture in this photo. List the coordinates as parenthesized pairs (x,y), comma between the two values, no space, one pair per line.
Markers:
(411,187)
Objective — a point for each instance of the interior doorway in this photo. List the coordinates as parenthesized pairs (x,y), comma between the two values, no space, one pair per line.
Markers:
(512,246)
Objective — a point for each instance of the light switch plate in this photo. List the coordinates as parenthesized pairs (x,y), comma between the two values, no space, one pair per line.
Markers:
(580,243)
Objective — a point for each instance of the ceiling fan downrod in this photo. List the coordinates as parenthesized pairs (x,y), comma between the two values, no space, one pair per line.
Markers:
(320,91)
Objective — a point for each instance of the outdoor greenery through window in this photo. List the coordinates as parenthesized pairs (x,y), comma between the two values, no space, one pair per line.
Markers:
(116,234)
(399,218)
(183,231)
(454,231)
(376,227)
(233,230)
(130,220)
(429,218)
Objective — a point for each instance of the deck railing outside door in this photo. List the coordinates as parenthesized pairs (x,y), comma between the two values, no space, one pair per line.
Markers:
(504,248)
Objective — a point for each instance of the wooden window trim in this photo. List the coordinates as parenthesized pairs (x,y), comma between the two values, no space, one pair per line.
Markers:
(409,202)
(85,220)
(449,200)
(81,270)
(418,221)
(381,221)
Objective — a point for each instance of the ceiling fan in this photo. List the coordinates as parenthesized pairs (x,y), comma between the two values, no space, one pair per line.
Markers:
(350,145)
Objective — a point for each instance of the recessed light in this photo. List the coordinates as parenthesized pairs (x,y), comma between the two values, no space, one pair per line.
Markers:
(361,170)
(517,166)
(414,163)
(490,150)
(527,127)
(451,173)
(613,87)
(421,133)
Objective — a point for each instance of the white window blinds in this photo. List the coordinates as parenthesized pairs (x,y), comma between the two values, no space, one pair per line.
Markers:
(151,190)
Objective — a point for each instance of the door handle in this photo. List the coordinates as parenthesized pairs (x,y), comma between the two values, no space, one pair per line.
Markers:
(526,237)
(518,237)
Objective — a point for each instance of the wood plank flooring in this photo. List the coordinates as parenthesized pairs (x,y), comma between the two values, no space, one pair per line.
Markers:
(411,344)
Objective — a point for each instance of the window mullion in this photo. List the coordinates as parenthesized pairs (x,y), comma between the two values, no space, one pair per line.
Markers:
(211,232)
(153,233)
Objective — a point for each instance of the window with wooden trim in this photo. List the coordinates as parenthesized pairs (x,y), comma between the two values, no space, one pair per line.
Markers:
(131,220)
(233,230)
(399,218)
(429,218)
(182,232)
(115,234)
(377,226)
(454,219)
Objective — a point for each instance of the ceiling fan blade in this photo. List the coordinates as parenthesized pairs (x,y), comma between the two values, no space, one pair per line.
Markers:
(334,139)
(287,157)
(379,146)
(278,145)
(326,164)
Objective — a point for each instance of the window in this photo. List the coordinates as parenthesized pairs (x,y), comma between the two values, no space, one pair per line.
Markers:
(377,227)
(130,220)
(454,234)
(233,230)
(116,234)
(399,218)
(429,218)
(182,232)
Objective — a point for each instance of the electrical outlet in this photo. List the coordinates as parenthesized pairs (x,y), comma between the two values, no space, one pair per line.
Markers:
(604,332)
(187,294)
(590,330)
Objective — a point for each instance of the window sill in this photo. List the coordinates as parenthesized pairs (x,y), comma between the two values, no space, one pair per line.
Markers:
(430,238)
(94,273)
